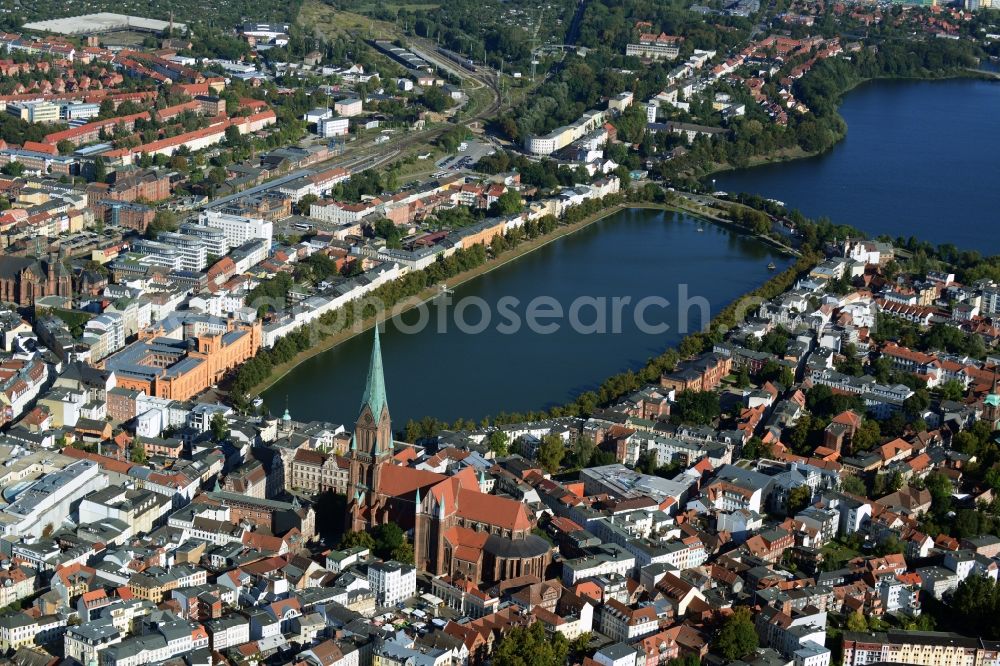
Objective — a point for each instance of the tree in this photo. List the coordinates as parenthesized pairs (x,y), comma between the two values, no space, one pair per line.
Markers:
(737,638)
(164,220)
(631,124)
(385,228)
(216,176)
(100,169)
(357,539)
(798,499)
(107,109)
(867,436)
(976,601)
(508,203)
(15,169)
(889,546)
(696,407)
(137,453)
(435,99)
(531,646)
(941,492)
(798,435)
(391,544)
(742,377)
(550,453)
(583,451)
(856,622)
(498,442)
(305,203)
(220,428)
(233,137)
(952,390)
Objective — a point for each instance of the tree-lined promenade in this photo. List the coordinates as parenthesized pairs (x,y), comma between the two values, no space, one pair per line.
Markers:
(419,286)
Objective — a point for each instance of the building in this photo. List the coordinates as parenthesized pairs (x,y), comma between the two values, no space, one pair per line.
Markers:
(347,108)
(179,369)
(457,529)
(331,127)
(621,623)
(656,47)
(237,229)
(922,648)
(23,280)
(561,137)
(190,250)
(701,374)
(46,503)
(620,102)
(19,630)
(392,582)
(35,112)
(84,642)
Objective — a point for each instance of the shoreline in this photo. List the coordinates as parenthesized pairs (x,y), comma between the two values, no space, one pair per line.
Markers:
(783,157)
(279,372)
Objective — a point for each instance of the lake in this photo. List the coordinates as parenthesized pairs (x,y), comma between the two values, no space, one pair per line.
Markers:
(450,371)
(919,159)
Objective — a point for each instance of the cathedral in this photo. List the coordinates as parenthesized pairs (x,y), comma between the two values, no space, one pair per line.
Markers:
(23,280)
(456,528)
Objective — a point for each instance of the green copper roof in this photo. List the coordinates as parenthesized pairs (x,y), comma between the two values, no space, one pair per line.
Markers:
(375,386)
(993,400)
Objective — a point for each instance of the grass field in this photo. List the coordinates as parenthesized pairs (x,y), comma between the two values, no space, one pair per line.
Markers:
(836,551)
(317,15)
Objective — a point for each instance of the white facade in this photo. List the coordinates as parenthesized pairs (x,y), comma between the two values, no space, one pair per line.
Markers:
(392,582)
(331,127)
(48,502)
(238,229)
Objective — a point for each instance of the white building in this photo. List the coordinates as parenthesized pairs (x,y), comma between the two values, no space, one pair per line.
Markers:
(620,654)
(392,582)
(331,127)
(316,115)
(191,250)
(48,502)
(228,631)
(84,642)
(107,333)
(238,229)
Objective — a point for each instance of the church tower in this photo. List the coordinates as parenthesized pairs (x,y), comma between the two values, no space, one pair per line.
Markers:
(991,405)
(371,445)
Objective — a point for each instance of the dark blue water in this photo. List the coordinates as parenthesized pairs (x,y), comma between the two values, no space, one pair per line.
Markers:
(448,375)
(920,158)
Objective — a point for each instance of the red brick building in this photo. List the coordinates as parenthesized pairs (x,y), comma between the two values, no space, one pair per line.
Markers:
(701,374)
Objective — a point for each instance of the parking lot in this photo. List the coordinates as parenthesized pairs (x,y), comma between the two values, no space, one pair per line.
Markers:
(465,159)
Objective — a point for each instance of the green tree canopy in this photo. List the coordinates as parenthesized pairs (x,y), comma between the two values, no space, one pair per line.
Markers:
(498,442)
(737,638)
(531,646)
(391,543)
(550,453)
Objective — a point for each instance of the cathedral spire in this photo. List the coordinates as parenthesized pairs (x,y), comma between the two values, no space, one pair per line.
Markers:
(374,395)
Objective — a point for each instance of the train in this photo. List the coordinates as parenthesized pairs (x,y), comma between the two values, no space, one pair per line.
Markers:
(465,63)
